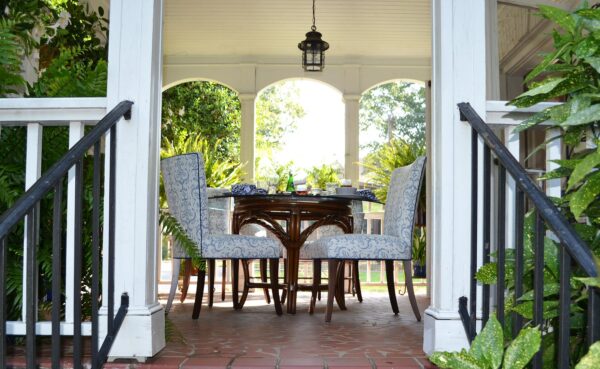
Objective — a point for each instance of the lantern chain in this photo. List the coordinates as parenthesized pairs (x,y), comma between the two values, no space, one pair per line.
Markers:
(314,28)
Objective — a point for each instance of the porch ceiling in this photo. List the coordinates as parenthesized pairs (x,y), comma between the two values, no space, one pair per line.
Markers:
(358,31)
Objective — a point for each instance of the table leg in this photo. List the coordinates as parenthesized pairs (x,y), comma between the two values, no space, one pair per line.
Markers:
(293,258)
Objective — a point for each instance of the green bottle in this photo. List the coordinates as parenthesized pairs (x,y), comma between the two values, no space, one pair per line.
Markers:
(290,184)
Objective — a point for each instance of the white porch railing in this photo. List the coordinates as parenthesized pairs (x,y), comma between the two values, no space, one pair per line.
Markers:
(35,114)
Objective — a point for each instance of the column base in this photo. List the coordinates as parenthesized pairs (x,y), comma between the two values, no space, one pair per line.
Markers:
(443,331)
(142,334)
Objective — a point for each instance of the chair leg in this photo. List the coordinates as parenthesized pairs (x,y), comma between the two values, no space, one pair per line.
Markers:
(246,267)
(340,296)
(235,276)
(211,281)
(284,292)
(274,266)
(356,281)
(389,273)
(187,272)
(175,267)
(316,285)
(263,278)
(410,289)
(223,279)
(199,293)
(333,266)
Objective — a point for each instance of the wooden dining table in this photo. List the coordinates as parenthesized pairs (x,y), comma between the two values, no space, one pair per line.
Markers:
(271,211)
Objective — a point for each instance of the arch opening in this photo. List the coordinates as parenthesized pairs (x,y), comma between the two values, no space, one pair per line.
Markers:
(299,129)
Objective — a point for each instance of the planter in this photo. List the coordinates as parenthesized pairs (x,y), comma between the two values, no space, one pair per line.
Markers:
(419,271)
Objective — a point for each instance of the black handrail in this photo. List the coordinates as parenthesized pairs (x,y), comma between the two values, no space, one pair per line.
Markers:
(27,207)
(47,181)
(547,216)
(548,211)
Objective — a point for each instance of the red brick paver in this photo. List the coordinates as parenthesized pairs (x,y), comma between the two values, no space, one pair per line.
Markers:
(366,335)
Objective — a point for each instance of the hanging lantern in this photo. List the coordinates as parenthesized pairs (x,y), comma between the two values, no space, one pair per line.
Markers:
(313,49)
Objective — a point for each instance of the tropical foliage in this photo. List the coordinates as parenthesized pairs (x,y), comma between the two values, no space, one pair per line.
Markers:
(318,177)
(487,350)
(71,64)
(396,153)
(203,109)
(571,74)
(219,172)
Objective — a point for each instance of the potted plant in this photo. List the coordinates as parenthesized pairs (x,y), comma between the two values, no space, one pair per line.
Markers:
(418,252)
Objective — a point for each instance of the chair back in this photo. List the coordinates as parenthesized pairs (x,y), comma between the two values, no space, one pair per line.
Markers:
(219,211)
(402,200)
(185,186)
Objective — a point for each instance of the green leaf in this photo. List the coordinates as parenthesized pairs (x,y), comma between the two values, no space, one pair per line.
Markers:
(455,360)
(584,196)
(522,349)
(549,290)
(488,346)
(594,61)
(591,360)
(583,168)
(561,17)
(557,173)
(546,62)
(584,116)
(590,281)
(589,13)
(487,274)
(533,120)
(525,309)
(586,48)
(544,88)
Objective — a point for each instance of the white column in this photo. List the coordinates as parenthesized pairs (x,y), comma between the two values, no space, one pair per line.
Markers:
(459,74)
(135,73)
(248,134)
(352,131)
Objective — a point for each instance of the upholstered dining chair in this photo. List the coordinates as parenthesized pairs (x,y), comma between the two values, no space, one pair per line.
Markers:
(219,214)
(358,220)
(394,244)
(185,186)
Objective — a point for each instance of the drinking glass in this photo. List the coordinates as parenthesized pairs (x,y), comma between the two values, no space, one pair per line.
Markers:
(272,185)
(330,188)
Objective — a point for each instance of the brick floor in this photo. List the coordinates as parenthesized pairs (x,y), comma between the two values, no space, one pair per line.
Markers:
(367,335)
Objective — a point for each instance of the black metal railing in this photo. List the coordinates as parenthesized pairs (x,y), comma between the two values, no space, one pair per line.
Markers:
(27,208)
(571,249)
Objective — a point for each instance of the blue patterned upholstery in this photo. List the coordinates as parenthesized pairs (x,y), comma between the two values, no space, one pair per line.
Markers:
(396,242)
(185,185)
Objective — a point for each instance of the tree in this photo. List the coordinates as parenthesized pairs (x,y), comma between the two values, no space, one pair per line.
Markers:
(396,110)
(205,108)
(277,113)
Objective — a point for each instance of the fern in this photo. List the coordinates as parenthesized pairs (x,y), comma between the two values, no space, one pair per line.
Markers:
(70,74)
(11,53)
(219,173)
(170,225)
